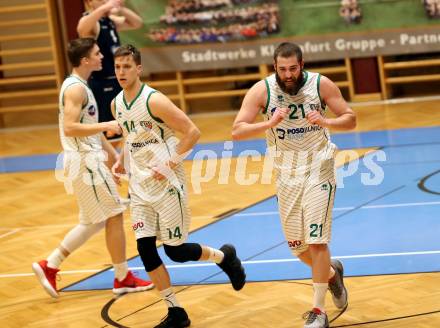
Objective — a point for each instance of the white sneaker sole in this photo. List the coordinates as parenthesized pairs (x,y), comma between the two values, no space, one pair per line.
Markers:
(43,280)
(337,304)
(119,291)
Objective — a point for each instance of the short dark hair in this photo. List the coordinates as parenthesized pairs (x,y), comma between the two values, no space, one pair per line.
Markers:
(288,49)
(78,49)
(127,50)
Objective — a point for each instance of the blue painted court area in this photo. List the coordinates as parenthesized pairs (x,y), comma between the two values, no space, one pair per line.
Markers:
(217,150)
(388,228)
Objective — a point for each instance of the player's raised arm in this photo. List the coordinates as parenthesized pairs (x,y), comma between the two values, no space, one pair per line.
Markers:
(88,24)
(126,19)
(74,98)
(177,120)
(254,101)
(331,95)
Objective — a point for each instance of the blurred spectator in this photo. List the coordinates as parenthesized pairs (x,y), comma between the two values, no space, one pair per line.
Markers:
(432,8)
(197,21)
(350,11)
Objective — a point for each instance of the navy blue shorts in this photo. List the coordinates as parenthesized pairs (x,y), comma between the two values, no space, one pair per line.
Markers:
(105,90)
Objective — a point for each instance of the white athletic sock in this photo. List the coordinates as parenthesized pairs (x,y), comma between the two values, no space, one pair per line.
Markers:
(169,297)
(76,237)
(121,270)
(319,295)
(215,255)
(79,234)
(55,258)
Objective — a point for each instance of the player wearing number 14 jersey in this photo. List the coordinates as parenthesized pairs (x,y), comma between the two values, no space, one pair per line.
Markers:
(293,103)
(157,182)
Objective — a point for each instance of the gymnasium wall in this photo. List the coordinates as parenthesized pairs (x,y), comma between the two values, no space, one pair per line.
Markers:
(393,52)
(387,27)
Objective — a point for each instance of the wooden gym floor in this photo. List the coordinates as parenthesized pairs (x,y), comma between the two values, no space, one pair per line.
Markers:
(36,213)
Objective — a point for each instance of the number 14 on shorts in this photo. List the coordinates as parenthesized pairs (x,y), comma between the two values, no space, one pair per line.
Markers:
(174,234)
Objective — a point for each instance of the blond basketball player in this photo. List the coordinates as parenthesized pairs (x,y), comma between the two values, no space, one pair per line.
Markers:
(293,103)
(85,152)
(159,205)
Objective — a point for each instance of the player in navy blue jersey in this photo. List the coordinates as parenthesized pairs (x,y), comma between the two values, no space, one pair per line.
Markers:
(102,22)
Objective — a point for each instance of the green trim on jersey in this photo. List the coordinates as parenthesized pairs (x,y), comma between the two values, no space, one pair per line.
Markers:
(266,107)
(114,107)
(79,79)
(268,96)
(64,91)
(105,181)
(274,138)
(328,202)
(157,119)
(303,82)
(162,135)
(128,106)
(86,85)
(76,141)
(93,183)
(319,93)
(180,203)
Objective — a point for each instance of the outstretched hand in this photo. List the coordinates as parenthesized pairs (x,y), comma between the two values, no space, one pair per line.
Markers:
(117,170)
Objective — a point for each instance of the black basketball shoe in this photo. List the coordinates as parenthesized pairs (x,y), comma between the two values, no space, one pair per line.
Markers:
(231,265)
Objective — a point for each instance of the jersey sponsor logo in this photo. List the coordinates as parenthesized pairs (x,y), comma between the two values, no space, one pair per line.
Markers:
(281,133)
(296,133)
(324,187)
(146,125)
(294,243)
(91,110)
(145,143)
(280,98)
(138,225)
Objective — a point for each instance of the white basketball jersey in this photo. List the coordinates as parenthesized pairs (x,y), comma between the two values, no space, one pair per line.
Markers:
(88,115)
(148,139)
(294,135)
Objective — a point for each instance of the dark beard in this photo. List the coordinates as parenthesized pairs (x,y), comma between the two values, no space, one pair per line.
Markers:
(295,87)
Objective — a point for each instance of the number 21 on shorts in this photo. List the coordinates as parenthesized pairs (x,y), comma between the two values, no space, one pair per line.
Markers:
(316,230)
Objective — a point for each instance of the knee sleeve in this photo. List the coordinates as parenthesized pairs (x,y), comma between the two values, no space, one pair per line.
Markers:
(79,235)
(148,252)
(184,253)
(297,247)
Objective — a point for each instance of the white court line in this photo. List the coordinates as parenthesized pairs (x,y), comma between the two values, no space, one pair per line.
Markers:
(9,233)
(52,226)
(297,260)
(202,217)
(13,275)
(349,208)
(31,128)
(181,266)
(401,205)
